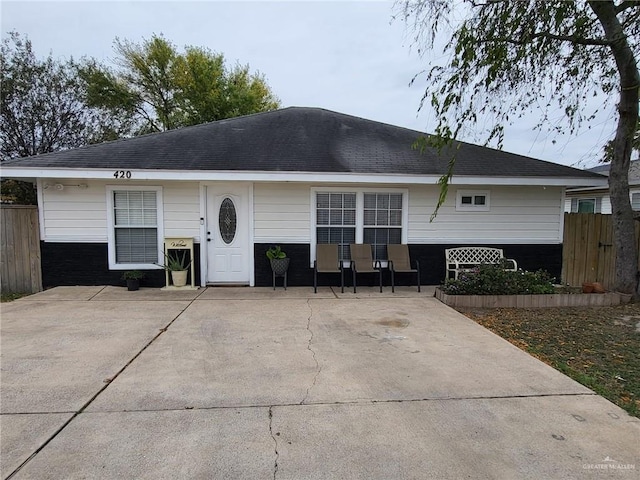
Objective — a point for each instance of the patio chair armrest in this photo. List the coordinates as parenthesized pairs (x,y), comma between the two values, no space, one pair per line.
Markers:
(377,265)
(390,265)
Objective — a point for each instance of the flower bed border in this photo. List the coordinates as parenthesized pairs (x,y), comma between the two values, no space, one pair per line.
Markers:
(533,301)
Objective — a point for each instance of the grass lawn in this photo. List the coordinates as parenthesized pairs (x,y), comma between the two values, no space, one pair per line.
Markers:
(10,297)
(596,346)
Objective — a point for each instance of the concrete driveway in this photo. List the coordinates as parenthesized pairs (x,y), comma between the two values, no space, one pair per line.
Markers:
(248,383)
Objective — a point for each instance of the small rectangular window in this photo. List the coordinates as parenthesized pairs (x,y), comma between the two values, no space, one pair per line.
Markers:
(472,201)
(586,205)
(635,201)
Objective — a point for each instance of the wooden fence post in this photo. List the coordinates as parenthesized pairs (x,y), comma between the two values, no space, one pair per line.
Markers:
(20,267)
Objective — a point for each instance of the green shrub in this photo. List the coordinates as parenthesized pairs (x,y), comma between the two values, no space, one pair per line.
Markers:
(495,280)
(275,252)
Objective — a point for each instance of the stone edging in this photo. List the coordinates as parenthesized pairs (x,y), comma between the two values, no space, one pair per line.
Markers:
(532,301)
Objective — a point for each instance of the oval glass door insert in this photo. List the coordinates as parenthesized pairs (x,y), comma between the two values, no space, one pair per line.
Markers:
(227,220)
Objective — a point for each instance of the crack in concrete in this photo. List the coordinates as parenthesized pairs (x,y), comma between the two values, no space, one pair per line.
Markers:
(318,368)
(98,293)
(275,441)
(316,404)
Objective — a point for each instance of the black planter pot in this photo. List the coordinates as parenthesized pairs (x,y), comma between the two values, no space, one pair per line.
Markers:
(279,265)
(133,284)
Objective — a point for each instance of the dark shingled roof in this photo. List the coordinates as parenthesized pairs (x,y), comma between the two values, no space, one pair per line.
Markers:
(294,139)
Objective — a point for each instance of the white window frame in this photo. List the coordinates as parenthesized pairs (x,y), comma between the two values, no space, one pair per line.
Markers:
(111,236)
(359,213)
(460,207)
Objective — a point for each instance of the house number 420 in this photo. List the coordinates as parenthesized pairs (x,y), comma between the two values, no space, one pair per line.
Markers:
(122,174)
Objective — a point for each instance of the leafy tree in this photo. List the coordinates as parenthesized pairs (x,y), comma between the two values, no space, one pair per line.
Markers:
(505,55)
(162,89)
(42,110)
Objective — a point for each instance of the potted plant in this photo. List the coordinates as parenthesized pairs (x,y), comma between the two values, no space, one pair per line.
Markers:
(178,266)
(278,259)
(132,277)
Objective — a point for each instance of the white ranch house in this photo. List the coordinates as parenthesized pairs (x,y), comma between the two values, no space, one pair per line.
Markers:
(293,177)
(596,199)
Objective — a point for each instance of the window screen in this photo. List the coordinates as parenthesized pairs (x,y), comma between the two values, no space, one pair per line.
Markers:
(136,226)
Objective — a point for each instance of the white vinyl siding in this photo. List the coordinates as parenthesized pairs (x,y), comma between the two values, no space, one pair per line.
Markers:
(182,210)
(281,213)
(517,215)
(73,214)
(80,215)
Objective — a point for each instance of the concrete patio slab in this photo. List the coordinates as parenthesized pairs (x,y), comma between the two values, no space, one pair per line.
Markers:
(225,444)
(507,438)
(374,292)
(263,386)
(121,294)
(230,353)
(78,293)
(24,434)
(242,353)
(412,348)
(265,293)
(57,354)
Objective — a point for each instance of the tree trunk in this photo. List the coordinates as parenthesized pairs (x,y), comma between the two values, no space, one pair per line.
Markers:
(622,215)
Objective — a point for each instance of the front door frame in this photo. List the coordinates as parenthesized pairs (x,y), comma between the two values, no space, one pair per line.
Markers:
(206,189)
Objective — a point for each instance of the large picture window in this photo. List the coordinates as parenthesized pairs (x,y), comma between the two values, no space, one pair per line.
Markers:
(134,239)
(373,217)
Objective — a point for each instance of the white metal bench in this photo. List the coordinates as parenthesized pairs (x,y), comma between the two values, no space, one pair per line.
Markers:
(464,259)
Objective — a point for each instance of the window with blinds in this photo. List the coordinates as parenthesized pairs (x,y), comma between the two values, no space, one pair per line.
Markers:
(336,220)
(635,201)
(135,216)
(382,222)
(368,217)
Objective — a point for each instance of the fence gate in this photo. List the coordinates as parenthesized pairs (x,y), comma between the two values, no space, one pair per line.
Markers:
(20,270)
(588,252)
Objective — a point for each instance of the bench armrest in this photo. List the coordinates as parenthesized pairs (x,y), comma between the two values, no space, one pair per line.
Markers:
(511,260)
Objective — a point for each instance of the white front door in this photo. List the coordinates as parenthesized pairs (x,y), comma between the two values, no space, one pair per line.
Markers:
(228,254)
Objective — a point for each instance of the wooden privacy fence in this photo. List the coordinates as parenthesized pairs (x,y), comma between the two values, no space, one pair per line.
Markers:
(588,252)
(20,270)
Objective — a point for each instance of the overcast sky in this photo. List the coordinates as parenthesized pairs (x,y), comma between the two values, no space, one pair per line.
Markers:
(345,56)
